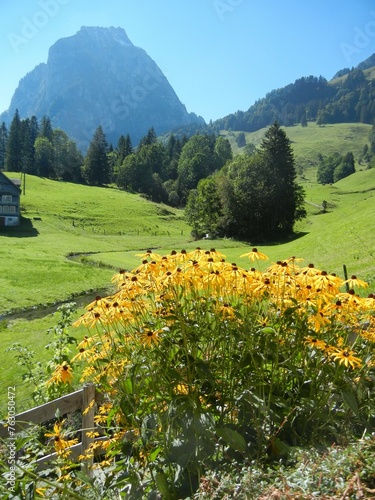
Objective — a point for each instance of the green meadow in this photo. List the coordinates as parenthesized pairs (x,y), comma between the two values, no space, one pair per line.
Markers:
(73,239)
(312,140)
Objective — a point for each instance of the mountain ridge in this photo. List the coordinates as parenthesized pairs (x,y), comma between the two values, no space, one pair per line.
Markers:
(98,77)
(349,97)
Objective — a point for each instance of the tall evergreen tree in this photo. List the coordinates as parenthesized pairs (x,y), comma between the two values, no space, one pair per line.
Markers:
(46,129)
(30,129)
(148,139)
(96,168)
(124,148)
(13,161)
(279,169)
(3,144)
(174,147)
(67,158)
(44,157)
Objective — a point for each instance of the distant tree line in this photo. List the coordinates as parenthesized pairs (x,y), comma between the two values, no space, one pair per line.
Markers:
(336,166)
(161,171)
(252,196)
(351,99)
(35,148)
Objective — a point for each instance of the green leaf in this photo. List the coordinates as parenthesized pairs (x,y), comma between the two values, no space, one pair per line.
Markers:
(162,484)
(267,330)
(232,438)
(350,400)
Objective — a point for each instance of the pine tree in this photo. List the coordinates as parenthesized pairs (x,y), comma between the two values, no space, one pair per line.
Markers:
(44,157)
(46,129)
(13,160)
(124,148)
(148,139)
(284,196)
(96,169)
(3,144)
(30,131)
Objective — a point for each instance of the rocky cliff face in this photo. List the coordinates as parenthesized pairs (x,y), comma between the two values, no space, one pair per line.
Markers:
(98,77)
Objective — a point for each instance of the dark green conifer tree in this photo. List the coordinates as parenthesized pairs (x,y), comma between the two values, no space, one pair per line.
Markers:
(96,168)
(46,129)
(148,139)
(13,160)
(3,144)
(124,148)
(284,195)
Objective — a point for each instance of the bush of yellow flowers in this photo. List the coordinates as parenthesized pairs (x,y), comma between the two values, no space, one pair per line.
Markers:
(201,360)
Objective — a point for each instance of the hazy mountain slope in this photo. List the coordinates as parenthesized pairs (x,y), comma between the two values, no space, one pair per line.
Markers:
(99,77)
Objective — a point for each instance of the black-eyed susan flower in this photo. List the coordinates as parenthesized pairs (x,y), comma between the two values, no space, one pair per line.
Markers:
(226,310)
(149,255)
(83,354)
(354,282)
(150,337)
(62,374)
(314,342)
(60,443)
(346,357)
(318,320)
(254,255)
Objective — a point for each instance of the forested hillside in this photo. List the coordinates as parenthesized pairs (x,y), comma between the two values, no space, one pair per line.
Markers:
(349,98)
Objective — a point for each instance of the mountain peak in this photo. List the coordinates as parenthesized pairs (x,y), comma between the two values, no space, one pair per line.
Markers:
(110,33)
(98,77)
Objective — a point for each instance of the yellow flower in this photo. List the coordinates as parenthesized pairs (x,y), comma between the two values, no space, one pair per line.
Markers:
(149,255)
(318,320)
(84,354)
(182,389)
(346,357)
(62,374)
(227,310)
(314,342)
(149,337)
(60,443)
(354,282)
(255,255)
(90,405)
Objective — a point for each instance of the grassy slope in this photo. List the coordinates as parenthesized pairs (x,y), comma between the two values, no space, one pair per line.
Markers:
(59,219)
(63,218)
(309,141)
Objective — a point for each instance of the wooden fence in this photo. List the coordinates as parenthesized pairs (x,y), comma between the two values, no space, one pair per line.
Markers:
(79,400)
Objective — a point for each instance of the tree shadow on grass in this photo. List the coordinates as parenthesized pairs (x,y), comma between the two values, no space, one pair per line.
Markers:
(24,230)
(278,240)
(287,239)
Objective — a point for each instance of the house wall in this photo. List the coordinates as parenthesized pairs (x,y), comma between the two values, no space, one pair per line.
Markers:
(9,203)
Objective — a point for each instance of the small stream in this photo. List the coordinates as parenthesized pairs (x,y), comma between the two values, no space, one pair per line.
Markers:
(36,312)
(80,300)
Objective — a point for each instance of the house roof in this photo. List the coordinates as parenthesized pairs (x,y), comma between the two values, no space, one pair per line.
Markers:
(15,182)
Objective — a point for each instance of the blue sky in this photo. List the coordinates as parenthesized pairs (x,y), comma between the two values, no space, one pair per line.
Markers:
(219,55)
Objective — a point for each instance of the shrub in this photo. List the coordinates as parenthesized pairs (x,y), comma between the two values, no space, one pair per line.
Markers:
(203,361)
